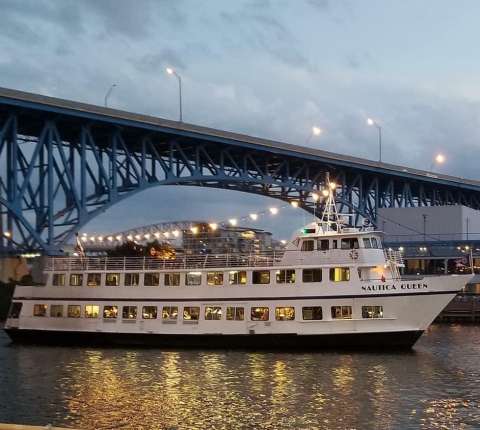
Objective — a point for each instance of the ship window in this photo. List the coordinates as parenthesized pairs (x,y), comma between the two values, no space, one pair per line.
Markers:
(213,313)
(56,311)
(129,312)
(39,310)
(92,311)
(193,278)
(152,279)
(312,275)
(215,278)
(235,313)
(15,310)
(339,274)
(149,312)
(58,279)
(110,312)
(191,313)
(349,243)
(172,279)
(366,242)
(307,245)
(285,276)
(132,279)
(170,313)
(312,313)
(372,311)
(285,314)
(94,279)
(76,279)
(375,244)
(237,277)
(323,244)
(342,312)
(261,276)
(259,314)
(112,279)
(74,311)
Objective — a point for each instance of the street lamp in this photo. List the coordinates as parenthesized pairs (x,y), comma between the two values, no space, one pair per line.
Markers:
(316,131)
(439,159)
(171,71)
(107,95)
(371,121)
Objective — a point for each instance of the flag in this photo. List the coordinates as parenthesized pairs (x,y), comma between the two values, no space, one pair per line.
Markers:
(79,247)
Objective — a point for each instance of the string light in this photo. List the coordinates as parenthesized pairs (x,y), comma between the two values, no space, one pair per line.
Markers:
(166,234)
(315,197)
(273,211)
(325,193)
(233,222)
(294,204)
(119,237)
(147,236)
(110,238)
(138,237)
(157,234)
(130,237)
(175,233)
(194,229)
(254,216)
(213,226)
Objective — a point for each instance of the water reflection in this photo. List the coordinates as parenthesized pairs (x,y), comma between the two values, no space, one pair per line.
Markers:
(434,387)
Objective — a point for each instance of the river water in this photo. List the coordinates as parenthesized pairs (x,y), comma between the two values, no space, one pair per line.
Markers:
(437,385)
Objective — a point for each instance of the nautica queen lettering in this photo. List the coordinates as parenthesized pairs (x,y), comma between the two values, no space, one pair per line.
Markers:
(392,287)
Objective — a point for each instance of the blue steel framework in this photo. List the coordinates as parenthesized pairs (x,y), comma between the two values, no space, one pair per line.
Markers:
(62,163)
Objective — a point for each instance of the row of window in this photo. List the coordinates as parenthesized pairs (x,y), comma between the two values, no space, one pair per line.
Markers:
(192,313)
(235,277)
(345,243)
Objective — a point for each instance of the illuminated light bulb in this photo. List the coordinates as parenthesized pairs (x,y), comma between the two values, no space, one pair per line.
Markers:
(233,222)
(166,234)
(156,234)
(333,185)
(169,70)
(315,197)
(194,229)
(316,130)
(100,238)
(213,226)
(273,211)
(138,237)
(146,236)
(110,238)
(84,238)
(283,242)
(325,193)
(370,121)
(294,204)
(440,158)
(254,216)
(92,238)
(7,234)
(130,237)
(175,233)
(119,237)
(84,234)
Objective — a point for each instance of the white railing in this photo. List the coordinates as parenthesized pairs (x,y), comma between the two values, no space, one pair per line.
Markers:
(264,259)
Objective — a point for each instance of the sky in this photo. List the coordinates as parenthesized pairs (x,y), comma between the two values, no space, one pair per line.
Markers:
(272,69)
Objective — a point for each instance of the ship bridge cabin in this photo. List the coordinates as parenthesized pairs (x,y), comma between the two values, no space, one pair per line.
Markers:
(337,246)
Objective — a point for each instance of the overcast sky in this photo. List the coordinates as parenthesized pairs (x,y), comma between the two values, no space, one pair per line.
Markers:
(268,68)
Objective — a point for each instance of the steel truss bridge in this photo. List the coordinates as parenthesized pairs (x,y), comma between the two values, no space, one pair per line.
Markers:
(62,163)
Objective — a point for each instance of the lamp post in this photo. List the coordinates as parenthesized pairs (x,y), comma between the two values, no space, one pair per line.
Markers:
(439,159)
(171,71)
(107,95)
(316,131)
(371,121)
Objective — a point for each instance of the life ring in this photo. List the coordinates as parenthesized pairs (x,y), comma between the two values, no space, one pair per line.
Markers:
(353,254)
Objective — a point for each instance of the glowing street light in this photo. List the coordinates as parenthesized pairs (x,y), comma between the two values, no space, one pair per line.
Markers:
(316,131)
(372,122)
(438,160)
(171,71)
(107,95)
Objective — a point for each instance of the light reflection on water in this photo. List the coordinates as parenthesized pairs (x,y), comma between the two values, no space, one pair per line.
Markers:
(436,386)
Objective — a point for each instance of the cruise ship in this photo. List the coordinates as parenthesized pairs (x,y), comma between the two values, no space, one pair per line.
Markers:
(332,286)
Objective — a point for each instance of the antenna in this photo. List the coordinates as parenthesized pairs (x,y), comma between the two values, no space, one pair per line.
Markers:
(330,220)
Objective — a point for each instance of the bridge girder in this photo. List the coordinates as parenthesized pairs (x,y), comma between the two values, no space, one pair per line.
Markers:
(59,171)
